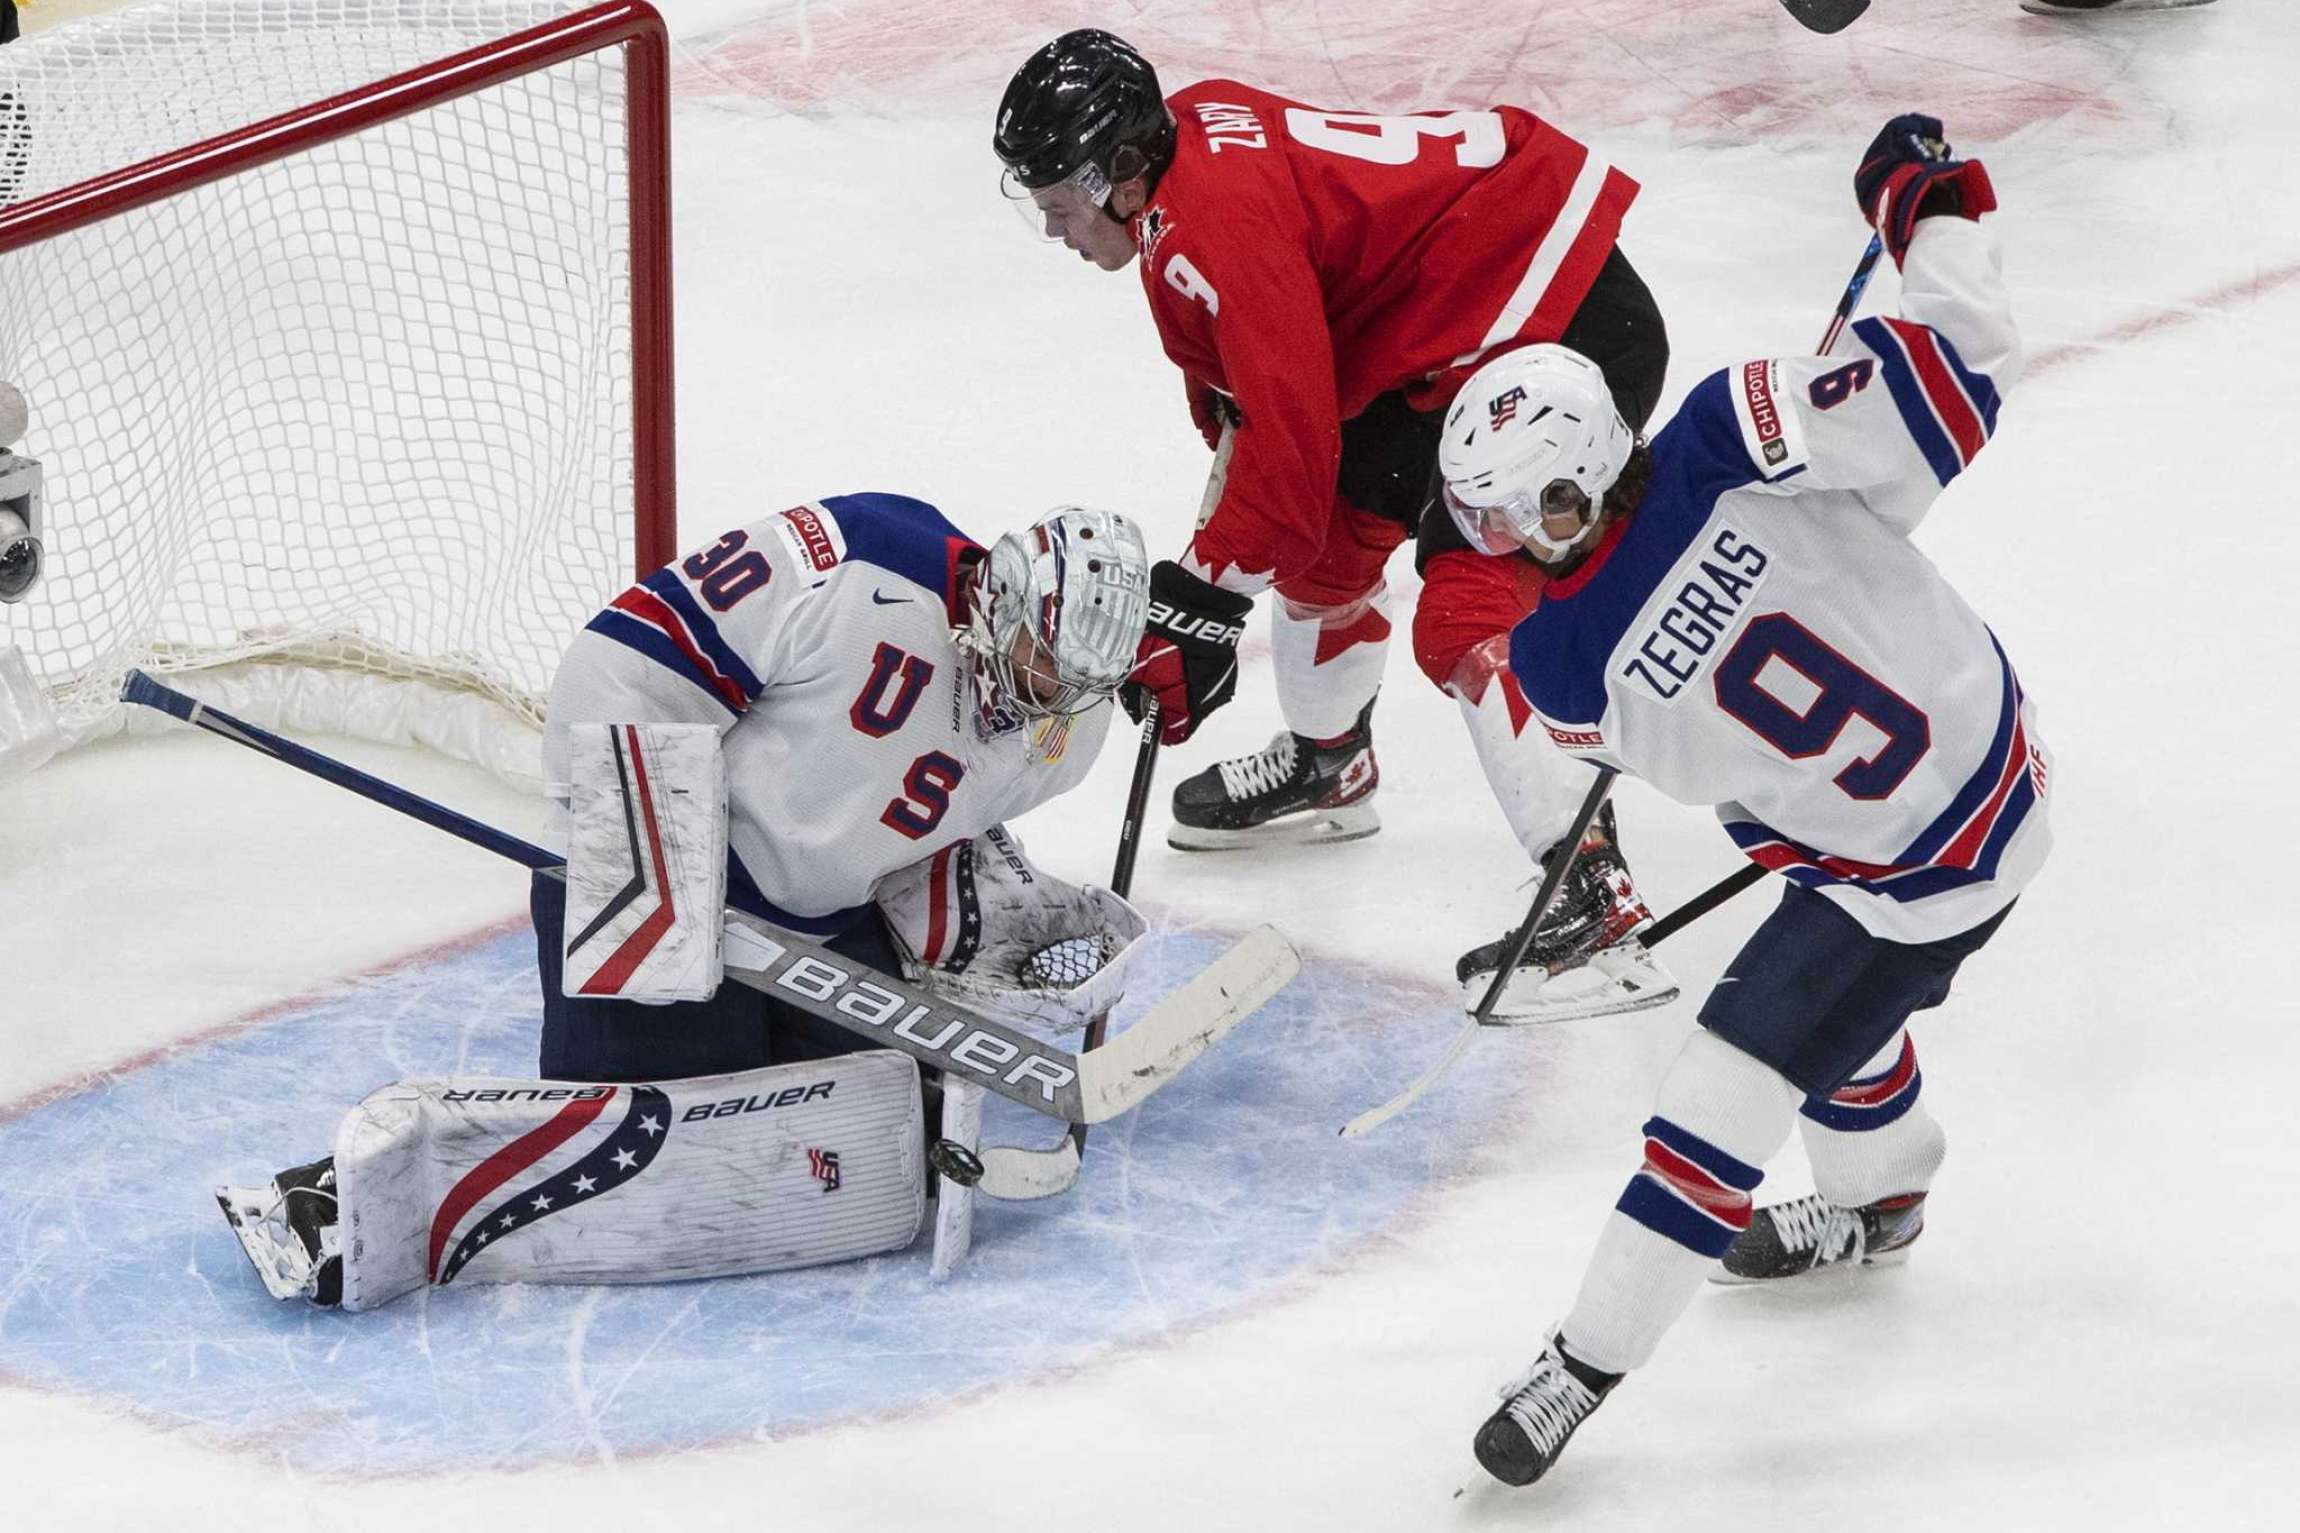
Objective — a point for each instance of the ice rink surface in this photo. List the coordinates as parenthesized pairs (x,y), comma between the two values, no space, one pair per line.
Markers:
(208,959)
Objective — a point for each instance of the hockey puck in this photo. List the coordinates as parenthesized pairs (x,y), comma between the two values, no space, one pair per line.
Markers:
(951,1159)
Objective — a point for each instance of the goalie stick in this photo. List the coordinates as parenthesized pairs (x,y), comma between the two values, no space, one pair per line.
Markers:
(1089,1087)
(1014,1172)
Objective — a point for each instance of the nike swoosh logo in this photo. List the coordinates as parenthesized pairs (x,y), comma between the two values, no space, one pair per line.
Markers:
(884,600)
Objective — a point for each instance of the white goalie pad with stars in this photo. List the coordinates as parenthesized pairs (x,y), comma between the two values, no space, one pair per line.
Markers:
(646,862)
(522,1181)
(979,923)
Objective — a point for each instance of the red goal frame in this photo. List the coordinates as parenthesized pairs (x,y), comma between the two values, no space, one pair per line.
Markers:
(633,24)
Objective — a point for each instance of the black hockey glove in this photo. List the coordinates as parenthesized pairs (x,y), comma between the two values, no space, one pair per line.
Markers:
(1911,173)
(1188,660)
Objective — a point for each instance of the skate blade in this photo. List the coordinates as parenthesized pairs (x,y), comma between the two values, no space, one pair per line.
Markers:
(1896,1257)
(1619,980)
(1307,827)
(278,1257)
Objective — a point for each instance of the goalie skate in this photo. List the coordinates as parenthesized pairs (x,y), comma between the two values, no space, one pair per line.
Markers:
(1293,791)
(288,1230)
(1585,959)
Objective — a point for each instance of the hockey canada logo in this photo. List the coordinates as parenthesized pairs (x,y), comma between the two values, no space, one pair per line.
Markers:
(1153,229)
(1503,408)
(825,1166)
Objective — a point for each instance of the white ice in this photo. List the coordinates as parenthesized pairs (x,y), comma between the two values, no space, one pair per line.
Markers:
(2100,1328)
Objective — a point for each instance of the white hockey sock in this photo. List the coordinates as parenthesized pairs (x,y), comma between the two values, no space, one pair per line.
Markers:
(1873,1137)
(1328,661)
(1720,1117)
(1537,786)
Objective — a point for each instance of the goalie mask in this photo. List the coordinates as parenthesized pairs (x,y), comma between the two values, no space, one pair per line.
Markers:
(1534,432)
(1058,612)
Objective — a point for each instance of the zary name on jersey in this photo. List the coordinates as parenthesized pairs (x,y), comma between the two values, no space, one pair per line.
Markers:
(1231,127)
(1681,640)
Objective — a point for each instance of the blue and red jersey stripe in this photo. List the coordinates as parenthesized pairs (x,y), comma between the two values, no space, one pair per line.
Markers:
(660,618)
(1950,410)
(1963,844)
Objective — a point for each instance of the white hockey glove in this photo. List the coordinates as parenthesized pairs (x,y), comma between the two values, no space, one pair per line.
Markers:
(646,862)
(977,923)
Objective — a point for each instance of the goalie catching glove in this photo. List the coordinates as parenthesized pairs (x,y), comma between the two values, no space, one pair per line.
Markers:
(978,923)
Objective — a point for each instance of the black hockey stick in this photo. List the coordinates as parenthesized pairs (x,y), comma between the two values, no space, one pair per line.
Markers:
(1086,1087)
(1122,870)
(1480,1016)
(1825,16)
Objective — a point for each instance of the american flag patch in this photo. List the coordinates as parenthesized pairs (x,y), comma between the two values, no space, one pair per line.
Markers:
(825,1166)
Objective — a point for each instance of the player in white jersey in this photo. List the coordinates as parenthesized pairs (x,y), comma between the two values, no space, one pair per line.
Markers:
(1737,616)
(870,720)
(822,719)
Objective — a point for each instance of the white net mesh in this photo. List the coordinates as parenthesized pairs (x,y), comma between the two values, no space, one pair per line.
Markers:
(369,405)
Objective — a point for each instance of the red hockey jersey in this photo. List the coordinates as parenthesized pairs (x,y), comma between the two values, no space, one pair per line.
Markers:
(1304,261)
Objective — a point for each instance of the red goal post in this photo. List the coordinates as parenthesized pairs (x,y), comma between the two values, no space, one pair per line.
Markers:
(373,382)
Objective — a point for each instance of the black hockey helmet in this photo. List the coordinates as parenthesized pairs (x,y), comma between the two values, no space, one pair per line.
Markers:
(1086,98)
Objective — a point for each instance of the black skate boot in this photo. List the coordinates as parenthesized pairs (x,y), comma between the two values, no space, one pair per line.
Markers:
(1585,959)
(1540,1410)
(1294,790)
(1790,1239)
(2081,7)
(289,1231)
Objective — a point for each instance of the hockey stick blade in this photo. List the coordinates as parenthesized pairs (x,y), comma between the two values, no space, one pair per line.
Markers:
(1825,16)
(1122,1072)
(1017,1175)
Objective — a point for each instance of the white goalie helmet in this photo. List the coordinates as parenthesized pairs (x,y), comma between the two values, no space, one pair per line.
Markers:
(1524,426)
(1058,612)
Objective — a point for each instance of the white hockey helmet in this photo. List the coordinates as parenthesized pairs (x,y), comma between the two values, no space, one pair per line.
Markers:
(1065,598)
(1523,427)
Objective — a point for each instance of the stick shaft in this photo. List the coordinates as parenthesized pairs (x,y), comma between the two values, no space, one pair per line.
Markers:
(1560,864)
(143,690)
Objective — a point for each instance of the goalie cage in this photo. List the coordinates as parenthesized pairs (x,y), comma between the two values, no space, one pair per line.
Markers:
(345,327)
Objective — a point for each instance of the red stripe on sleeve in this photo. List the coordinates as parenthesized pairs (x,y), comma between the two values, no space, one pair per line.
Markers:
(1947,396)
(1583,259)
(656,613)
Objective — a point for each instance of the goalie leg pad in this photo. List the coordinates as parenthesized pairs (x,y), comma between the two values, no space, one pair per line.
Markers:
(498,1180)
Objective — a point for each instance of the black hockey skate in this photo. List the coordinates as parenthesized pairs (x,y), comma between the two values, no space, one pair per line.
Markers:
(1293,790)
(1585,959)
(1540,1411)
(289,1231)
(1790,1239)
(2080,7)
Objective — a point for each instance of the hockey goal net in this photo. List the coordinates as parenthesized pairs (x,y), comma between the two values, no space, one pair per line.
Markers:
(344,328)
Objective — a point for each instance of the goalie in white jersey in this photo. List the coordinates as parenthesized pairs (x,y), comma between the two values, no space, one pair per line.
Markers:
(886,693)
(821,719)
(1737,616)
